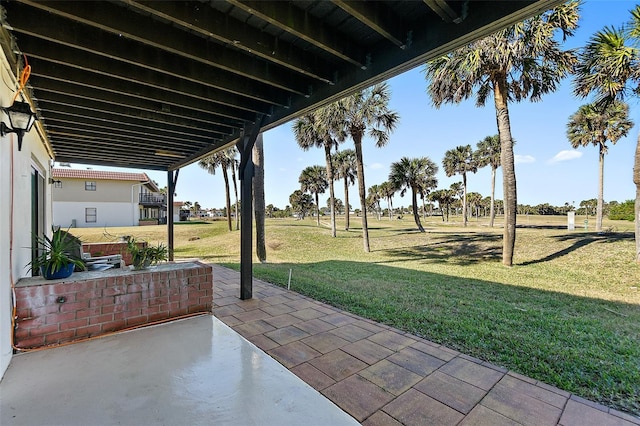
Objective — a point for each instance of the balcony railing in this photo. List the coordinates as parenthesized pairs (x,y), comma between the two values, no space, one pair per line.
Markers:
(153,199)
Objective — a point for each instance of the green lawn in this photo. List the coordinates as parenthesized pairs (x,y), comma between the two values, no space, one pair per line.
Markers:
(567,312)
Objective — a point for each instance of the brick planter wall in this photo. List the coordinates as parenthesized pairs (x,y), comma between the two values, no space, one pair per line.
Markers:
(93,303)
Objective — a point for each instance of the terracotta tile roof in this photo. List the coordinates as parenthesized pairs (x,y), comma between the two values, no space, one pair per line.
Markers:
(98,175)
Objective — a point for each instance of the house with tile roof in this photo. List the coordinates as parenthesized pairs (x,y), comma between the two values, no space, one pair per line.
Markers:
(87,198)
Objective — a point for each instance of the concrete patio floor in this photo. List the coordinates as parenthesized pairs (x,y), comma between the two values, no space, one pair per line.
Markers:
(195,371)
(383,376)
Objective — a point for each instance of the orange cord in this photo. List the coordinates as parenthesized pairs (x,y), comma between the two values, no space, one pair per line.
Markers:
(24,77)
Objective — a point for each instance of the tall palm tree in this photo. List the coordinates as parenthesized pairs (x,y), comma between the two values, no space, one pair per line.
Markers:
(345,167)
(233,165)
(259,209)
(460,161)
(367,109)
(488,154)
(519,62)
(314,130)
(410,173)
(595,125)
(609,67)
(387,191)
(313,179)
(210,164)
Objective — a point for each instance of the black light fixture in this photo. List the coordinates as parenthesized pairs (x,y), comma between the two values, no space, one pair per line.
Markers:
(21,120)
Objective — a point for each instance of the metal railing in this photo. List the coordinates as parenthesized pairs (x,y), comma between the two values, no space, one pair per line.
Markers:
(154,199)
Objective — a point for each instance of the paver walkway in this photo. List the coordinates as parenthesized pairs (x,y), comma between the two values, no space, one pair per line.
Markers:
(383,376)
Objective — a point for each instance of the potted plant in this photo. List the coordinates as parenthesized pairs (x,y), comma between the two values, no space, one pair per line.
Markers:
(145,255)
(58,256)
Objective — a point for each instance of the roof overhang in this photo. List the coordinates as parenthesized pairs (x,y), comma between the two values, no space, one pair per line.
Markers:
(159,84)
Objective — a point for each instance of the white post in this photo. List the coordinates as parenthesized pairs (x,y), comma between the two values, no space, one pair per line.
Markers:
(571,221)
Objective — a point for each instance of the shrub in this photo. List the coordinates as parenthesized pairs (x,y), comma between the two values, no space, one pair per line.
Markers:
(622,211)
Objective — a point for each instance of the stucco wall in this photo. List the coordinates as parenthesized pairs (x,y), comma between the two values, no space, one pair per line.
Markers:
(106,191)
(108,214)
(15,207)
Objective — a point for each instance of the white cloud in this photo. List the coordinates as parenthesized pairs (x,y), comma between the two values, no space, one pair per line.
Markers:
(565,155)
(521,159)
(376,166)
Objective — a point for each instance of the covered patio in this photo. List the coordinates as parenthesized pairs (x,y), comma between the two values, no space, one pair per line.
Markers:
(159,85)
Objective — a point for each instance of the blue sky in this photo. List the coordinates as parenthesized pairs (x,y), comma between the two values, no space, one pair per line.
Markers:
(547,168)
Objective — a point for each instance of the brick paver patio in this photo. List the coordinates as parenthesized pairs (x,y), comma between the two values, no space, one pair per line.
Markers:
(383,376)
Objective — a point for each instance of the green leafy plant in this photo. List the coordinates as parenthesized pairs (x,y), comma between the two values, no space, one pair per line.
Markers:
(144,255)
(56,252)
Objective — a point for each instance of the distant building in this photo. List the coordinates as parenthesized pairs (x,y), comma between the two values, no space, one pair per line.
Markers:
(93,198)
(180,214)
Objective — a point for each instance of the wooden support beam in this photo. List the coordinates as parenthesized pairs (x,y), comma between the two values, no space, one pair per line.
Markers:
(250,133)
(170,190)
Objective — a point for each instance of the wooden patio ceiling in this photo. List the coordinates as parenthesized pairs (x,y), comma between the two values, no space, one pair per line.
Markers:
(159,84)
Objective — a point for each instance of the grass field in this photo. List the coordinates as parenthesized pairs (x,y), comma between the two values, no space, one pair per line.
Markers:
(566,313)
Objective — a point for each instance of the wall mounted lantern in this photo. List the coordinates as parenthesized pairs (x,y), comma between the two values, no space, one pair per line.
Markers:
(21,120)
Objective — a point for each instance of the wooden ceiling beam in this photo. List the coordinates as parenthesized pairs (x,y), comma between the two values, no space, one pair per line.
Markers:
(210,23)
(127,59)
(306,27)
(108,18)
(379,18)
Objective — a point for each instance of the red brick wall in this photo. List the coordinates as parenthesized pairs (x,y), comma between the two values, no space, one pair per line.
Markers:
(58,311)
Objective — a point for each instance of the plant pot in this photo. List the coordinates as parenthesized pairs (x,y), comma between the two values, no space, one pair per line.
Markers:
(139,264)
(63,272)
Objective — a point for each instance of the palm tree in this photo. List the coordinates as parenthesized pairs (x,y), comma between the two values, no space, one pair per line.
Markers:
(313,179)
(519,62)
(410,173)
(233,164)
(373,199)
(301,203)
(594,125)
(210,164)
(459,161)
(314,130)
(609,67)
(259,208)
(367,109)
(428,183)
(345,167)
(475,202)
(444,197)
(488,154)
(387,191)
